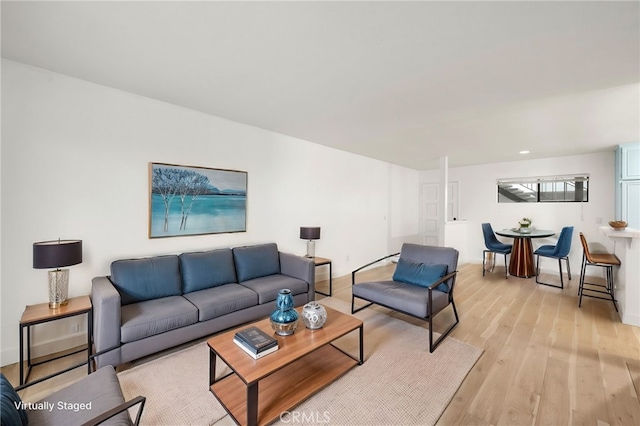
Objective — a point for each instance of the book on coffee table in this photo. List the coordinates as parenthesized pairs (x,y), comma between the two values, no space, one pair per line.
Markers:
(254,355)
(255,339)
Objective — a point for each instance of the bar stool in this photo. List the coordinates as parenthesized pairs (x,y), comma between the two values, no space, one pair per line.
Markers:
(603,260)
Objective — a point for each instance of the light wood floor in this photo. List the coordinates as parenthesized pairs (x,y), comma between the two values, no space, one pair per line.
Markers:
(545,360)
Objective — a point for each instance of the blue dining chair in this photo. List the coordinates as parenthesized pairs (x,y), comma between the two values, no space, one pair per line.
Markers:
(493,245)
(560,251)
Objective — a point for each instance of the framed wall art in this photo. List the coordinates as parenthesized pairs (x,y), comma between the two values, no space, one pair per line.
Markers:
(189,200)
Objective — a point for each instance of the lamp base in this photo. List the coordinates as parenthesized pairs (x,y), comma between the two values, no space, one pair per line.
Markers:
(58,288)
(311,248)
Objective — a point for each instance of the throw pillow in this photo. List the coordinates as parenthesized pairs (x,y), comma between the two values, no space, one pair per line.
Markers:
(13,413)
(422,274)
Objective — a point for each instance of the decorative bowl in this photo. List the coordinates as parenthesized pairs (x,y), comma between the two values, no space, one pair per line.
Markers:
(618,224)
(314,315)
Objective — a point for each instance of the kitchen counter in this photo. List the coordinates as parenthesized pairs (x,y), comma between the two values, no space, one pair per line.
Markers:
(627,277)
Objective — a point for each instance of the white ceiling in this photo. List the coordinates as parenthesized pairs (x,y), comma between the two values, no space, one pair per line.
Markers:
(403,82)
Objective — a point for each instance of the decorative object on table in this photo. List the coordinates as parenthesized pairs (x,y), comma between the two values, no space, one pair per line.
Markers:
(314,315)
(618,225)
(310,233)
(255,342)
(186,200)
(284,318)
(57,254)
(525,223)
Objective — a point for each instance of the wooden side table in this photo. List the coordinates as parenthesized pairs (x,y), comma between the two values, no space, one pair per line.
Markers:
(41,313)
(321,261)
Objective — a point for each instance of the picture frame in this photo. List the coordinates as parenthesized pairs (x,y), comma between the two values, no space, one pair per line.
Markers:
(194,200)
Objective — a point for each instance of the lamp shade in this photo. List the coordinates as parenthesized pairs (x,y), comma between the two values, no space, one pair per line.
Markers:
(57,254)
(310,232)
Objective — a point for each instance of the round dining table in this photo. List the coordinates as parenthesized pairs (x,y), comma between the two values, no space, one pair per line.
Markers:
(522,263)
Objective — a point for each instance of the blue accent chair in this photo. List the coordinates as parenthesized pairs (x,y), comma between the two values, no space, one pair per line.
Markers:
(560,251)
(493,245)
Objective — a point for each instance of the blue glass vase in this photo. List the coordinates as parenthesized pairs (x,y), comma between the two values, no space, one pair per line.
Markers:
(284,319)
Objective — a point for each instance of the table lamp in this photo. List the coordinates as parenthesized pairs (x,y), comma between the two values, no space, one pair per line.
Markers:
(310,233)
(57,254)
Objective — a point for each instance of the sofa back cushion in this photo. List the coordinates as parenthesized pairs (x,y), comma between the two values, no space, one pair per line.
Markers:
(256,261)
(207,269)
(138,280)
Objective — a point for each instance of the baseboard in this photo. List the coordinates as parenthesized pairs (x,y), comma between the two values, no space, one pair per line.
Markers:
(629,319)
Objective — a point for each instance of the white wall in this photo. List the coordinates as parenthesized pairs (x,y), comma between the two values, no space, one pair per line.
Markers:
(403,208)
(75,165)
(478,201)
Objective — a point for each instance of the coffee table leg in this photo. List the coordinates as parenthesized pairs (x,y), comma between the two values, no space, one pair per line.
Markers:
(252,404)
(212,367)
(361,330)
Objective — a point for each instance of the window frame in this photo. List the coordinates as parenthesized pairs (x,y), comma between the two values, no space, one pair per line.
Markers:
(536,185)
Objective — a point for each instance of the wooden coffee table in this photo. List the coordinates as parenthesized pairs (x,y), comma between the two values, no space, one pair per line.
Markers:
(259,391)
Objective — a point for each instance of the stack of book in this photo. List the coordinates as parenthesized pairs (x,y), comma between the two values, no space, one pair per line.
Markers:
(255,342)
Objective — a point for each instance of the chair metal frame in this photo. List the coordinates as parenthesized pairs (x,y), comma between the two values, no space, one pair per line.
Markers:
(567,232)
(588,260)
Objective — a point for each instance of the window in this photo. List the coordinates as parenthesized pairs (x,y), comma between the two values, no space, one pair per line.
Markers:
(544,189)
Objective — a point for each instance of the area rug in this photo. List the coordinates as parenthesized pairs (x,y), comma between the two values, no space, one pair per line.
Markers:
(400,382)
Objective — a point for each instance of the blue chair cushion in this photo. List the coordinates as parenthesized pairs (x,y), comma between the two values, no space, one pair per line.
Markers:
(422,274)
(13,412)
(547,250)
(500,247)
(138,280)
(256,261)
(207,269)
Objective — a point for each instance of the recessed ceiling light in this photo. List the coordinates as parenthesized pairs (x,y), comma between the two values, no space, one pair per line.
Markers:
(524,152)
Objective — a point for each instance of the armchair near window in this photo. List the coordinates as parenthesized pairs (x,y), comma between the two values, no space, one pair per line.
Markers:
(422,285)
(95,399)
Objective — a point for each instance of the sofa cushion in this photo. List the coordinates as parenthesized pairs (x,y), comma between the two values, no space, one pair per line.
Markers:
(268,287)
(206,269)
(409,298)
(422,274)
(13,412)
(138,280)
(144,319)
(256,261)
(221,300)
(101,389)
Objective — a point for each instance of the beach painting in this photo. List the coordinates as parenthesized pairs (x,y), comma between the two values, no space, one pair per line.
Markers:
(189,200)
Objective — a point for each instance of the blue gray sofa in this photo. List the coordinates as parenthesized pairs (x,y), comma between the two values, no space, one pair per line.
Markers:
(151,304)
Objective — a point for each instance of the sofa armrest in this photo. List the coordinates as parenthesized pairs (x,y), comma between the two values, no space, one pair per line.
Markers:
(106,316)
(299,267)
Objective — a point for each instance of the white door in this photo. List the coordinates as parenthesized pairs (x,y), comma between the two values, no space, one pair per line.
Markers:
(430,214)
